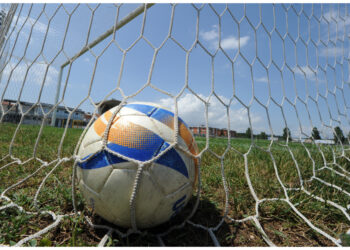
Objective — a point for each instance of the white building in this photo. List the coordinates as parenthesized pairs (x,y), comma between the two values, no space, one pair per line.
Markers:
(324,141)
(35,114)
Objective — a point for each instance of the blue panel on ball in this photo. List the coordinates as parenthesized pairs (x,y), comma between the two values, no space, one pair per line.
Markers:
(100,160)
(165,116)
(172,160)
(154,112)
(144,153)
(146,109)
(113,159)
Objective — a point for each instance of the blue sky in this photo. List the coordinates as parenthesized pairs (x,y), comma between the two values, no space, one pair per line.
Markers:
(301,64)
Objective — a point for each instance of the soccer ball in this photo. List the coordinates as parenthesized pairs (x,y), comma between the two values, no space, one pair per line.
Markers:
(139,131)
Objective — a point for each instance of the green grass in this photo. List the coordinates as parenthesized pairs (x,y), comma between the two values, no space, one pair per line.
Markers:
(281,224)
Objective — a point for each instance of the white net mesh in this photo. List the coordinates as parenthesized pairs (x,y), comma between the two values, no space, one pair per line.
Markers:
(265,87)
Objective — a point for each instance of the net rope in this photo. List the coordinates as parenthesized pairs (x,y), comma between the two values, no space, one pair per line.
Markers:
(16,22)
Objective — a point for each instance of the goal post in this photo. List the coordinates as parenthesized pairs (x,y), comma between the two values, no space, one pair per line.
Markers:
(109,32)
(263,88)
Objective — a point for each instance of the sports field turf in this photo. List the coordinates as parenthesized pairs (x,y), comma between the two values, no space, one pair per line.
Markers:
(283,226)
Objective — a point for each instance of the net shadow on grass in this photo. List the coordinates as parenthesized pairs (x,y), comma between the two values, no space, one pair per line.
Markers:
(207,214)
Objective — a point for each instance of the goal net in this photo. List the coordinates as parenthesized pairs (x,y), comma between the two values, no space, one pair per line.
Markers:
(265,90)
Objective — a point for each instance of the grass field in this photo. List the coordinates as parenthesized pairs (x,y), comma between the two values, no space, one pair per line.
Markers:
(282,225)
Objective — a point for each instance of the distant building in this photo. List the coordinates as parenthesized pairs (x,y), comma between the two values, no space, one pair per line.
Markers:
(202,131)
(324,142)
(270,138)
(233,133)
(213,132)
(194,130)
(308,140)
(35,114)
(87,117)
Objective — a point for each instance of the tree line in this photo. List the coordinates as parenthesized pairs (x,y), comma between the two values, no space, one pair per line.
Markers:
(338,135)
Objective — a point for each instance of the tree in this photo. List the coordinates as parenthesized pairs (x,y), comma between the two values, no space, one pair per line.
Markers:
(248,132)
(316,134)
(263,136)
(286,134)
(338,135)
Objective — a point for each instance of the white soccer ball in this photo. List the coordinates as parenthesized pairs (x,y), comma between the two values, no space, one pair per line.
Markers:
(139,131)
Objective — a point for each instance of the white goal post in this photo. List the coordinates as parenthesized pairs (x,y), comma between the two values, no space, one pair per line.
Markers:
(109,32)
(264,88)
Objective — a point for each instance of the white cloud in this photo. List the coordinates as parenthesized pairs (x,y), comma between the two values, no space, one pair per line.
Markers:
(233,43)
(333,52)
(38,28)
(211,34)
(35,75)
(192,111)
(261,79)
(304,69)
(28,23)
(310,75)
(332,16)
(337,25)
(230,42)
